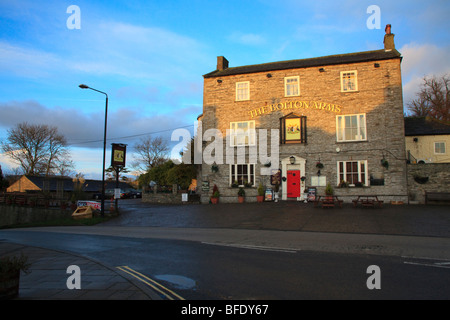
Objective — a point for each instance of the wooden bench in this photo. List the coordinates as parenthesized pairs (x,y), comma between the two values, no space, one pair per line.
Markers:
(368,201)
(328,201)
(436,196)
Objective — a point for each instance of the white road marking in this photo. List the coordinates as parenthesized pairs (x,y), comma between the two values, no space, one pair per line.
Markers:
(252,247)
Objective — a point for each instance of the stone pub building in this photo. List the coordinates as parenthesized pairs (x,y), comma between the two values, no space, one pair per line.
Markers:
(337,119)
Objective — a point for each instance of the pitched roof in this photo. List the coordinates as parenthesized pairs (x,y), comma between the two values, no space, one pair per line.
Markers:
(67,184)
(375,55)
(415,126)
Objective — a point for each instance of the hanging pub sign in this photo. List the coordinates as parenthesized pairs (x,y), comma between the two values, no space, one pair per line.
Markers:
(118,153)
(275,177)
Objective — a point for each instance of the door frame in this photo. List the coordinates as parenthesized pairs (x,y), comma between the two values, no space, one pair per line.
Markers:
(286,165)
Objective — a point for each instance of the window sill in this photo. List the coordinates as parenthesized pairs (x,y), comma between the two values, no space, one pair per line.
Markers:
(353,91)
(352,141)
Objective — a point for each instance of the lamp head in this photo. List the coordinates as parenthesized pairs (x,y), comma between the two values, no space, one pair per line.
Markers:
(83,86)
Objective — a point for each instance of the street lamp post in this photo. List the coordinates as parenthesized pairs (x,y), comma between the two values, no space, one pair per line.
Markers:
(83,86)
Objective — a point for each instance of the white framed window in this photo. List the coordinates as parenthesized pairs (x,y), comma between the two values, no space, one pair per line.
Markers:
(352,172)
(439,147)
(351,127)
(349,81)
(242,174)
(242,133)
(292,86)
(243,91)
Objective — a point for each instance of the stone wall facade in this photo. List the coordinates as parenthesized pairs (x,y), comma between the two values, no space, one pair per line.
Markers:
(321,101)
(427,177)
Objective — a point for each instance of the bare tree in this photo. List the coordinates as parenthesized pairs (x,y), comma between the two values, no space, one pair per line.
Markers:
(150,152)
(433,99)
(37,149)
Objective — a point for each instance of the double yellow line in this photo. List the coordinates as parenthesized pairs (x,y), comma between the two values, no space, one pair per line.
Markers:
(169,294)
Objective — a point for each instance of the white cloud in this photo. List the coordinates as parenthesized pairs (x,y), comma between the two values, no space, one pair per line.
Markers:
(419,61)
(250,39)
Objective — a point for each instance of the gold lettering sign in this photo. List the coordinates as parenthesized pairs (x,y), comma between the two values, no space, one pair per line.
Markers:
(293,105)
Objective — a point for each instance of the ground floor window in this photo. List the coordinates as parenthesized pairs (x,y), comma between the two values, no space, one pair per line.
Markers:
(242,174)
(352,172)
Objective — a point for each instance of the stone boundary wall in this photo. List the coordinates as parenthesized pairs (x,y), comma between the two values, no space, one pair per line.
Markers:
(431,177)
(169,198)
(12,214)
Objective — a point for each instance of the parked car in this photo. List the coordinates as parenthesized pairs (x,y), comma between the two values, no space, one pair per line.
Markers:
(133,193)
(109,193)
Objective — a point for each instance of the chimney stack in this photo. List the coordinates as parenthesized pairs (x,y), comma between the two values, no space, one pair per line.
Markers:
(222,63)
(388,39)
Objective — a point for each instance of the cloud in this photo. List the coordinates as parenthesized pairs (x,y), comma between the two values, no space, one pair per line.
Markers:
(419,61)
(107,48)
(81,129)
(250,39)
(26,62)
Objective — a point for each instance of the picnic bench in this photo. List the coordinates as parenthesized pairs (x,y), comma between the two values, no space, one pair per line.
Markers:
(367,201)
(436,196)
(328,201)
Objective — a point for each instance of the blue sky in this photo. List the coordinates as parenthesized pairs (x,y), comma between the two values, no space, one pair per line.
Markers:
(149,56)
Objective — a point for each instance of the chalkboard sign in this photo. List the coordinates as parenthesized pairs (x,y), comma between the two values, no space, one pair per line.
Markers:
(312,194)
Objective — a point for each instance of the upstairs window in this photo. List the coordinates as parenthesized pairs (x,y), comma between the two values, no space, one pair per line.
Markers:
(242,133)
(243,91)
(351,127)
(439,147)
(349,81)
(292,86)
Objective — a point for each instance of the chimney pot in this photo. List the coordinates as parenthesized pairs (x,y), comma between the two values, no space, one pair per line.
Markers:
(222,63)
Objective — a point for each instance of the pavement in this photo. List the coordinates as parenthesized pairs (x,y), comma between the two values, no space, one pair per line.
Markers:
(388,230)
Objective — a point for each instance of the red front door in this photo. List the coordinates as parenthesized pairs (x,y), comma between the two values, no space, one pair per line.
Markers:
(293,183)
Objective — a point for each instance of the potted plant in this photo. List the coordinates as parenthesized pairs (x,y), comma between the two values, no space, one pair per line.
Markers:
(260,196)
(343,184)
(329,192)
(215,196)
(319,165)
(10,268)
(241,195)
